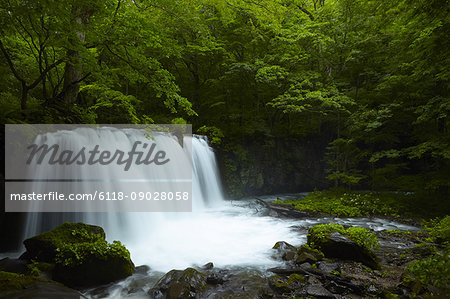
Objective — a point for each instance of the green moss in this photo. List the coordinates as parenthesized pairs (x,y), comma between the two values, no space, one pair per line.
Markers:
(351,204)
(44,247)
(295,278)
(361,236)
(80,254)
(313,251)
(424,249)
(36,268)
(13,281)
(72,255)
(68,233)
(279,284)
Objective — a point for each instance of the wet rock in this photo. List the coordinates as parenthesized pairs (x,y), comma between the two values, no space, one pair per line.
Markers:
(14,285)
(141,269)
(239,283)
(336,288)
(306,267)
(13,265)
(338,246)
(372,290)
(327,268)
(285,250)
(318,291)
(305,257)
(208,266)
(188,283)
(214,279)
(279,285)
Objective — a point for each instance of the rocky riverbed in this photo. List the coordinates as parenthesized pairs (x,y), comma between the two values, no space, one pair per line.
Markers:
(336,262)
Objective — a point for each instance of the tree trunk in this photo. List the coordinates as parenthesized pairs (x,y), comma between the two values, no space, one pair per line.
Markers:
(74,64)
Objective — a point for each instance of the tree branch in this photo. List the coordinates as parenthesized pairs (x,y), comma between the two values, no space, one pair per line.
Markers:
(10,63)
(44,72)
(306,12)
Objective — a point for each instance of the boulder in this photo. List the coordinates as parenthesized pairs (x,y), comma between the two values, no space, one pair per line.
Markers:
(188,283)
(13,285)
(285,250)
(43,247)
(13,265)
(336,245)
(81,255)
(318,291)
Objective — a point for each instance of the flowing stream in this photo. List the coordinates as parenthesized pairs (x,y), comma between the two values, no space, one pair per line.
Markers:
(227,233)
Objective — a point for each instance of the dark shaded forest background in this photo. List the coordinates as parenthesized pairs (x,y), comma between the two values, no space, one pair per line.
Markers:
(293,94)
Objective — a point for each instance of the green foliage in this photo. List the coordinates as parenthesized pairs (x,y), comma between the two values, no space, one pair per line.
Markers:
(368,80)
(214,134)
(350,204)
(36,268)
(72,255)
(431,274)
(438,229)
(361,236)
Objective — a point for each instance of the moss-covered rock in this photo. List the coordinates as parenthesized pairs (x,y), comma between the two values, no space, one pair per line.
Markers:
(354,243)
(87,264)
(307,254)
(188,283)
(80,254)
(285,250)
(14,281)
(13,285)
(285,285)
(44,247)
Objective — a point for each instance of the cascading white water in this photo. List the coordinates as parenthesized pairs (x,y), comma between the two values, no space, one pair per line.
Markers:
(214,231)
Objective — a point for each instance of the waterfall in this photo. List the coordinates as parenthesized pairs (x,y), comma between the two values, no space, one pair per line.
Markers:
(206,186)
(216,230)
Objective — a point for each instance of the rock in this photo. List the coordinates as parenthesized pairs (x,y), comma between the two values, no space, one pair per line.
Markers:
(142,270)
(306,267)
(336,245)
(318,291)
(336,288)
(305,257)
(279,285)
(95,268)
(13,265)
(43,247)
(327,268)
(372,289)
(81,255)
(14,285)
(208,266)
(285,250)
(188,283)
(214,279)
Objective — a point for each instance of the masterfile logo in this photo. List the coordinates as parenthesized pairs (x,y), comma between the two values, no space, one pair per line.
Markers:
(95,168)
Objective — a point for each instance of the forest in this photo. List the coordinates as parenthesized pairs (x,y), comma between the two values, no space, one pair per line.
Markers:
(365,83)
(293,95)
